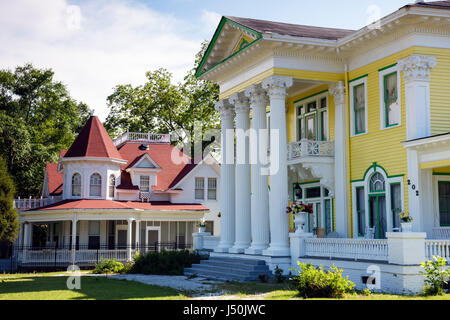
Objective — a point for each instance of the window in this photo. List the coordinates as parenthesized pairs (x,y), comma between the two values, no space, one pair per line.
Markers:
(361,210)
(359,107)
(391,105)
(209,227)
(144,185)
(377,183)
(396,204)
(76,185)
(94,235)
(444,203)
(112,185)
(212,187)
(313,192)
(199,188)
(312,118)
(95,187)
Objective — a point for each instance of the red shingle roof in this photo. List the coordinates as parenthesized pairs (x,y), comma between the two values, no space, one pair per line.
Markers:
(54,179)
(93,141)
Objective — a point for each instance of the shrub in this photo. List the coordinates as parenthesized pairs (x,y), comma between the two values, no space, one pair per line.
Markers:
(278,272)
(436,277)
(312,282)
(108,266)
(164,262)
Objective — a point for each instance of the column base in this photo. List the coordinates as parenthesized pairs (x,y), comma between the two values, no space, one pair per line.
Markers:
(223,248)
(239,248)
(274,251)
(255,250)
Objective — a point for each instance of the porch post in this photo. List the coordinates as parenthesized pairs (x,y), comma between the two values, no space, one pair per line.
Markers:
(278,195)
(20,240)
(129,233)
(340,158)
(259,207)
(74,238)
(227,181)
(242,228)
(138,234)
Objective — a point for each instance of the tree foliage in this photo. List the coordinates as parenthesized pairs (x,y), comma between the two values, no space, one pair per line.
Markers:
(164,107)
(37,119)
(9,220)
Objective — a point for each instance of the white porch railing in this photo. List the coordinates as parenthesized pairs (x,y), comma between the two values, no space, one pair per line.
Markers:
(437,248)
(356,249)
(305,148)
(441,233)
(33,203)
(142,137)
(210,242)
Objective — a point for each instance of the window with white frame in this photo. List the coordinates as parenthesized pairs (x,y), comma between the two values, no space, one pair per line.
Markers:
(396,204)
(112,186)
(95,186)
(76,185)
(212,189)
(358,106)
(199,188)
(312,118)
(390,111)
(144,184)
(361,210)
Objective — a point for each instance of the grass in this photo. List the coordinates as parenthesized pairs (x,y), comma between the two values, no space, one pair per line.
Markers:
(52,286)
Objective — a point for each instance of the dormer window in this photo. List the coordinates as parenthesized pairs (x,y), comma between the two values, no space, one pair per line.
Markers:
(112,185)
(76,185)
(95,187)
(144,184)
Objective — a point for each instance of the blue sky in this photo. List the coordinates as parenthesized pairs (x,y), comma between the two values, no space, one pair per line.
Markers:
(94,45)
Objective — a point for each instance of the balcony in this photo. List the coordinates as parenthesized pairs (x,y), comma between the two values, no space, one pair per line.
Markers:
(308,148)
(142,137)
(34,203)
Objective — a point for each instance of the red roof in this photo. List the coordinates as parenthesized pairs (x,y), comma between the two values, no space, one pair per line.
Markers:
(93,141)
(54,179)
(113,204)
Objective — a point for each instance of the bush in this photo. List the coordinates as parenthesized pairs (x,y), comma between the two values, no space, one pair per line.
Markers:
(278,272)
(164,262)
(312,282)
(436,277)
(108,266)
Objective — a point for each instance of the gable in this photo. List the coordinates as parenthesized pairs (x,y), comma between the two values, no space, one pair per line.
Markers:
(145,163)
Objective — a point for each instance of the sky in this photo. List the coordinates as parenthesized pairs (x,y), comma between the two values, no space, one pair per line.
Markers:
(92,46)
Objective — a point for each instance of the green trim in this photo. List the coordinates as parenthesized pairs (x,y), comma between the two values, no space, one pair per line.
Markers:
(387,67)
(310,96)
(223,21)
(441,174)
(360,77)
(374,166)
(393,210)
(309,182)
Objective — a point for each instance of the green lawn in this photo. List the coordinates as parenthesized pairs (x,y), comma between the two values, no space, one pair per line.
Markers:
(48,286)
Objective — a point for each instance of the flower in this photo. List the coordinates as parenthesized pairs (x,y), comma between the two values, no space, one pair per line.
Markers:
(297,207)
(202,223)
(405,217)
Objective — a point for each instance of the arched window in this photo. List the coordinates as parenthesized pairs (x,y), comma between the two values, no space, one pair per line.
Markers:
(76,185)
(95,187)
(112,185)
(376,183)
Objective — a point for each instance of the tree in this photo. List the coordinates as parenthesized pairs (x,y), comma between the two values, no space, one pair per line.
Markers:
(9,219)
(38,118)
(164,107)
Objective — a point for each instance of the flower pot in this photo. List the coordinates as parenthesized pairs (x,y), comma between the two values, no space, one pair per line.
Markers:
(201,229)
(300,221)
(406,226)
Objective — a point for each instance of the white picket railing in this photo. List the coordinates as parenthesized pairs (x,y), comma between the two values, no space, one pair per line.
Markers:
(441,233)
(33,203)
(356,249)
(147,137)
(305,148)
(437,248)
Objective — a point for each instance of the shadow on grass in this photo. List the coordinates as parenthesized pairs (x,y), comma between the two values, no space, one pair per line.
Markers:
(96,288)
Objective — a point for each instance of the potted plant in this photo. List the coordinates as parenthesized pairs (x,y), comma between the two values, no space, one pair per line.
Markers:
(201,225)
(406,219)
(299,210)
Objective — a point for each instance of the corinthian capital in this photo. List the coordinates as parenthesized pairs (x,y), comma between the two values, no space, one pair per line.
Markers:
(257,95)
(225,109)
(240,102)
(276,86)
(417,67)
(337,90)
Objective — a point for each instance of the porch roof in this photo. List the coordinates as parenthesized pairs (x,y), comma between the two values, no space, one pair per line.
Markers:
(114,204)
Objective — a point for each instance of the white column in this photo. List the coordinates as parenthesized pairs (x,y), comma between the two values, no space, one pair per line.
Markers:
(259,181)
(129,234)
(242,194)
(74,238)
(413,185)
(340,158)
(20,240)
(138,234)
(416,71)
(278,195)
(27,234)
(227,182)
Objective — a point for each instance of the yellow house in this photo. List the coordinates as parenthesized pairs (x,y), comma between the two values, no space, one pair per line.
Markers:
(362,115)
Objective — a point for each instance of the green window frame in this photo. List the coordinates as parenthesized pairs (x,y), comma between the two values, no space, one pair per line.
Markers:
(359,108)
(360,210)
(396,203)
(388,100)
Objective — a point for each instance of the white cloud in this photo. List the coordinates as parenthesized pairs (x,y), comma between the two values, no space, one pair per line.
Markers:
(211,20)
(94,46)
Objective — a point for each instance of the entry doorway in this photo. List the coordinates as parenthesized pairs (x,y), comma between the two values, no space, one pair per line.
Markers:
(377,215)
(153,237)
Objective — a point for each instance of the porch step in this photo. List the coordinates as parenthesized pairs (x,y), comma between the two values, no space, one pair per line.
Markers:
(229,269)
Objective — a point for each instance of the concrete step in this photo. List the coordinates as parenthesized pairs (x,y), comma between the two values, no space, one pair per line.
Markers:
(233,267)
(250,273)
(217,275)
(238,260)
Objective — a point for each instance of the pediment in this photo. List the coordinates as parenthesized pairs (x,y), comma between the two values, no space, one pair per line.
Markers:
(145,162)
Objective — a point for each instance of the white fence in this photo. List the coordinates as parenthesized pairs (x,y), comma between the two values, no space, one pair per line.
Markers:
(437,248)
(441,233)
(33,203)
(305,148)
(142,137)
(356,249)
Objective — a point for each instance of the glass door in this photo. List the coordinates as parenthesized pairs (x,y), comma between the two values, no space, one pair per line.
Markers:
(377,215)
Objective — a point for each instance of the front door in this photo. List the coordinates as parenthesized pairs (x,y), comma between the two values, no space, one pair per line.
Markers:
(121,239)
(377,212)
(153,238)
(444,203)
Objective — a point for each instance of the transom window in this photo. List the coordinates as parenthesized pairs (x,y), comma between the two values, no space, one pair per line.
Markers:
(312,118)
(377,183)
(95,187)
(76,185)
(144,185)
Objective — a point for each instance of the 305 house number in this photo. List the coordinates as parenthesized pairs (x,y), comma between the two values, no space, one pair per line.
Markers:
(413,187)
